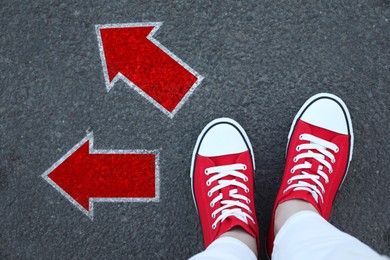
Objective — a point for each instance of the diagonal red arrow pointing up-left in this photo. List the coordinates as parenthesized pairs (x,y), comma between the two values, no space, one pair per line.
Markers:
(85,175)
(129,52)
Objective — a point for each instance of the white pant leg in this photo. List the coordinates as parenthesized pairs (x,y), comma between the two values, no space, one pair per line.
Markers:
(306,235)
(226,248)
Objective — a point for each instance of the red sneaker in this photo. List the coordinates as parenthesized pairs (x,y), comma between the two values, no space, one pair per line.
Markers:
(222,176)
(319,151)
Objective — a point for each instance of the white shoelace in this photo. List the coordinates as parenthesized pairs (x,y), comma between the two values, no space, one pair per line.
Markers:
(316,149)
(226,210)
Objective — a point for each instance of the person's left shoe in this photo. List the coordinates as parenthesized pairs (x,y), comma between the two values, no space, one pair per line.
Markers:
(222,177)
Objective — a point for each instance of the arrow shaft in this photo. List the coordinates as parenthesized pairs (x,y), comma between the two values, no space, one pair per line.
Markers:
(159,75)
(122,175)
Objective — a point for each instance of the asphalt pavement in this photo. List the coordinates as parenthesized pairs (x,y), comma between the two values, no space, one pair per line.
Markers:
(260,61)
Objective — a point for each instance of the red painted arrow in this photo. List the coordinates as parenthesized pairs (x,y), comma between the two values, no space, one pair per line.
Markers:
(129,52)
(85,175)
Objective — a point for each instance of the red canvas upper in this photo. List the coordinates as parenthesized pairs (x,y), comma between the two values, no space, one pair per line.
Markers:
(203,201)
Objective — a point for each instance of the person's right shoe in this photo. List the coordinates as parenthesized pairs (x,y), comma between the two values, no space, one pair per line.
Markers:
(319,151)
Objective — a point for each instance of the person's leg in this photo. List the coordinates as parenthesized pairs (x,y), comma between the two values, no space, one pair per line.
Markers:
(288,208)
(222,177)
(226,248)
(319,151)
(307,235)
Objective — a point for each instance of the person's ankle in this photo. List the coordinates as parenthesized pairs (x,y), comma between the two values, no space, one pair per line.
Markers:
(288,208)
(243,236)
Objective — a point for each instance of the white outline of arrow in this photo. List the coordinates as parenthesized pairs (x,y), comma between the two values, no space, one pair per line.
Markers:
(110,85)
(90,138)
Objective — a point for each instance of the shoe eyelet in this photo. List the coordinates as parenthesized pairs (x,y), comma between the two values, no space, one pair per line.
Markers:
(248,201)
(298,148)
(208,183)
(212,205)
(213,215)
(295,159)
(323,192)
(333,160)
(206,172)
(292,170)
(209,194)
(300,137)
(336,150)
(326,182)
(246,190)
(330,171)
(289,182)
(246,179)
(244,167)
(213,226)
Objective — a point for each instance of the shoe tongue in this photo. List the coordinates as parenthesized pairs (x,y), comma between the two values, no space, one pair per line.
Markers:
(226,191)
(314,166)
(226,196)
(226,160)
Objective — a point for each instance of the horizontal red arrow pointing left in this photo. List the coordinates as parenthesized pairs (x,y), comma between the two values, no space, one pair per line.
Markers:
(85,175)
(129,52)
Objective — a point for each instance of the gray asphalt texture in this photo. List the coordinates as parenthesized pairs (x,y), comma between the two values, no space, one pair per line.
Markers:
(261,60)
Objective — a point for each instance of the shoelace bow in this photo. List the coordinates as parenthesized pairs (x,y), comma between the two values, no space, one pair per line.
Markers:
(230,206)
(321,146)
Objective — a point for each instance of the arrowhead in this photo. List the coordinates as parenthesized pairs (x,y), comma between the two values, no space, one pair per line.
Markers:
(85,175)
(69,175)
(123,48)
